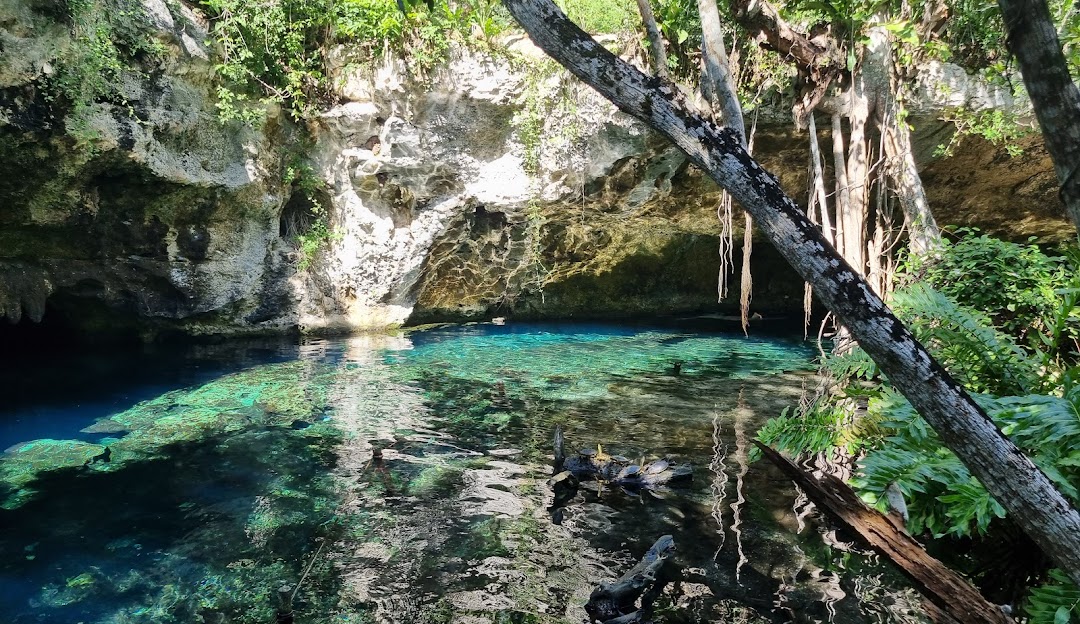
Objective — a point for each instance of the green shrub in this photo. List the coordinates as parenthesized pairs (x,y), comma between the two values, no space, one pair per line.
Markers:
(109,38)
(602,16)
(272,51)
(275,52)
(1018,286)
(1055,602)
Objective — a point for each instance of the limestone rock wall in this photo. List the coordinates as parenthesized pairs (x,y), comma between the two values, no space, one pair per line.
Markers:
(139,215)
(498,188)
(491,187)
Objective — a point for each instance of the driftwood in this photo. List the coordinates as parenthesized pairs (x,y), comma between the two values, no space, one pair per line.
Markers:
(617,603)
(953,595)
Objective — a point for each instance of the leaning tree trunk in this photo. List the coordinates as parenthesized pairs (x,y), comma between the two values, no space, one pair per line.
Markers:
(1008,475)
(1054,96)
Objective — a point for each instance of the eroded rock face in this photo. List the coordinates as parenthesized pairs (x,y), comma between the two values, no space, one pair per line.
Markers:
(491,189)
(488,188)
(143,214)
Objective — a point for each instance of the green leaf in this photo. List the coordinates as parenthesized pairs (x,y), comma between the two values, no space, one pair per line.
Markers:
(683,36)
(851,60)
(1063,615)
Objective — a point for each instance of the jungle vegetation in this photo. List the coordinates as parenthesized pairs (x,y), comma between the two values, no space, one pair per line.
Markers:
(1001,316)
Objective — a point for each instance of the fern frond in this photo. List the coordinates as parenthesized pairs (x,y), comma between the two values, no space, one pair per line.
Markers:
(1055,602)
(965,342)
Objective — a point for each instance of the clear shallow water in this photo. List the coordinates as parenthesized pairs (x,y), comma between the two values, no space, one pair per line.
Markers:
(233,469)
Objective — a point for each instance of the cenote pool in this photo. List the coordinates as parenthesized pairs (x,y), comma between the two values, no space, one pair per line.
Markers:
(234,469)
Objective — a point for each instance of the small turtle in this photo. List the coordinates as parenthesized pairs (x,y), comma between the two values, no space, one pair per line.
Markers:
(630,472)
(587,452)
(657,467)
(620,459)
(563,478)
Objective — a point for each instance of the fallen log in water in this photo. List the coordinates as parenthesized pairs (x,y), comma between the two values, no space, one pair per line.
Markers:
(617,603)
(944,588)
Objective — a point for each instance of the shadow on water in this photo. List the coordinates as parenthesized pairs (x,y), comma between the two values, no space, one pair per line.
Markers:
(411,473)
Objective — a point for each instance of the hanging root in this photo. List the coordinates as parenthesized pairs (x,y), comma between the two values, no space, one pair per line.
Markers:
(727,245)
(746,286)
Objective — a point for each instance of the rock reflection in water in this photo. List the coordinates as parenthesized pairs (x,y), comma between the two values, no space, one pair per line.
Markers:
(423,467)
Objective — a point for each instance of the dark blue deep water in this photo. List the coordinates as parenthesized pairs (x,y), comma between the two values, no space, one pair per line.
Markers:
(404,478)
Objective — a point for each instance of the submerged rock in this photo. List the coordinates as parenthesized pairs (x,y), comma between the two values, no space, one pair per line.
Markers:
(23,463)
(105,425)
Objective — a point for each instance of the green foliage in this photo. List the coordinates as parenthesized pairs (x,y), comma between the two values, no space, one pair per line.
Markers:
(528,124)
(1030,295)
(275,52)
(601,16)
(318,234)
(270,49)
(1055,602)
(817,431)
(1006,345)
(680,25)
(310,229)
(109,37)
(1001,128)
(942,496)
(964,341)
(975,32)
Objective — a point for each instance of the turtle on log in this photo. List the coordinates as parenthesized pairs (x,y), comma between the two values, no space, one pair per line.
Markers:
(594,464)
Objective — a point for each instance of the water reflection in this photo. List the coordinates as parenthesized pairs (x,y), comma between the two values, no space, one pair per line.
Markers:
(410,473)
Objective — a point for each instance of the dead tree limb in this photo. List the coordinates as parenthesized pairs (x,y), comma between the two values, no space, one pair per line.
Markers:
(943,587)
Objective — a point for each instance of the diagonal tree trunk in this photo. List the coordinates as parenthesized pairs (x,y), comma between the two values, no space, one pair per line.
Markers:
(1054,96)
(1008,475)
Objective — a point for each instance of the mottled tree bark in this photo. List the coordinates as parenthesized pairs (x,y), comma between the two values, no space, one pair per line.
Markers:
(1056,99)
(819,61)
(1008,475)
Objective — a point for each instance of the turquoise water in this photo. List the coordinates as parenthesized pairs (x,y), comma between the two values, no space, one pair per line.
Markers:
(236,470)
